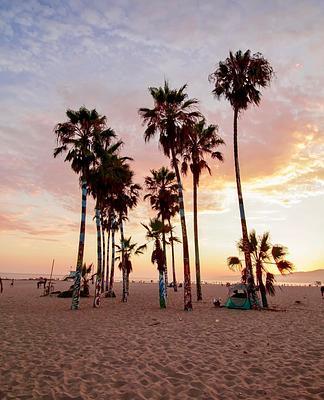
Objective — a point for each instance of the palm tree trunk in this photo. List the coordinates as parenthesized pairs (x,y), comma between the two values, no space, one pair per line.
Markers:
(247,255)
(124,299)
(112,269)
(162,290)
(77,280)
(186,264)
(107,261)
(261,286)
(165,260)
(96,300)
(175,286)
(197,260)
(103,255)
(127,283)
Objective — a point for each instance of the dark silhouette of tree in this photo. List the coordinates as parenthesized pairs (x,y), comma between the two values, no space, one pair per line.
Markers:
(163,195)
(202,140)
(172,117)
(75,139)
(238,79)
(262,253)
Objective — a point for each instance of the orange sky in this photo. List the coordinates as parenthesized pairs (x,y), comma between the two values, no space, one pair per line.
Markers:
(105,57)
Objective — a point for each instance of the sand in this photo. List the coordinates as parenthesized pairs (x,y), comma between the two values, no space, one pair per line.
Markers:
(135,350)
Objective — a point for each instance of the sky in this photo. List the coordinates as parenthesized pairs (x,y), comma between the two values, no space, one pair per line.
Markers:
(56,55)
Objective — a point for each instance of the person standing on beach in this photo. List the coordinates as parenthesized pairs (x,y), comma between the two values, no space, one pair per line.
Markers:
(1,286)
(12,282)
(322,291)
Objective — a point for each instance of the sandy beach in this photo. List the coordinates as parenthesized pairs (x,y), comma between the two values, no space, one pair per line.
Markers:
(135,350)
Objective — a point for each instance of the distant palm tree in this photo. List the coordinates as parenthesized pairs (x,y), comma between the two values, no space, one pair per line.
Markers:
(75,138)
(262,252)
(202,140)
(162,193)
(113,228)
(128,249)
(126,199)
(154,233)
(172,118)
(172,240)
(239,79)
(86,270)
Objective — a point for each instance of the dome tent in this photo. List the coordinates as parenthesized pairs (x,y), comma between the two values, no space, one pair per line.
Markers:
(238,297)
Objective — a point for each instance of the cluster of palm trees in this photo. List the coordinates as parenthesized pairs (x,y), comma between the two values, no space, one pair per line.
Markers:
(93,150)
(186,139)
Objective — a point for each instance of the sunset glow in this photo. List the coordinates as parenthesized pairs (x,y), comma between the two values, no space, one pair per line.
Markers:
(105,56)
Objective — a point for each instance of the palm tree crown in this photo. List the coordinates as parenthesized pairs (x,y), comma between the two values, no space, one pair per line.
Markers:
(172,115)
(239,78)
(201,140)
(162,192)
(76,137)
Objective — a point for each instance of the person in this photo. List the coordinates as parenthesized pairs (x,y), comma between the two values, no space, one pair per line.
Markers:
(322,290)
(1,286)
(217,302)
(12,282)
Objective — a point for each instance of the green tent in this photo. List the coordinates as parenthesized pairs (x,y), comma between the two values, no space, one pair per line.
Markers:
(238,297)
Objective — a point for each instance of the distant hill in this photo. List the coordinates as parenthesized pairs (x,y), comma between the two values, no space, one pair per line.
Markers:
(307,277)
(302,277)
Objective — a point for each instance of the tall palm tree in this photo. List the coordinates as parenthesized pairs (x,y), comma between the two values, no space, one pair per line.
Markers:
(105,177)
(154,232)
(239,79)
(262,252)
(172,118)
(129,249)
(75,138)
(202,140)
(162,193)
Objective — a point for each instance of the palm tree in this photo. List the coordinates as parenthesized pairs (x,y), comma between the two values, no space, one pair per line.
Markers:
(172,118)
(113,228)
(239,79)
(128,249)
(154,232)
(262,252)
(126,199)
(172,240)
(202,140)
(162,193)
(86,270)
(75,138)
(105,177)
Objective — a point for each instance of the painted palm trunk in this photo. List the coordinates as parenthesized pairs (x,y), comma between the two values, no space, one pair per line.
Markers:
(175,285)
(261,285)
(165,261)
(107,262)
(162,293)
(186,264)
(96,300)
(124,298)
(77,280)
(103,255)
(197,259)
(112,269)
(246,246)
